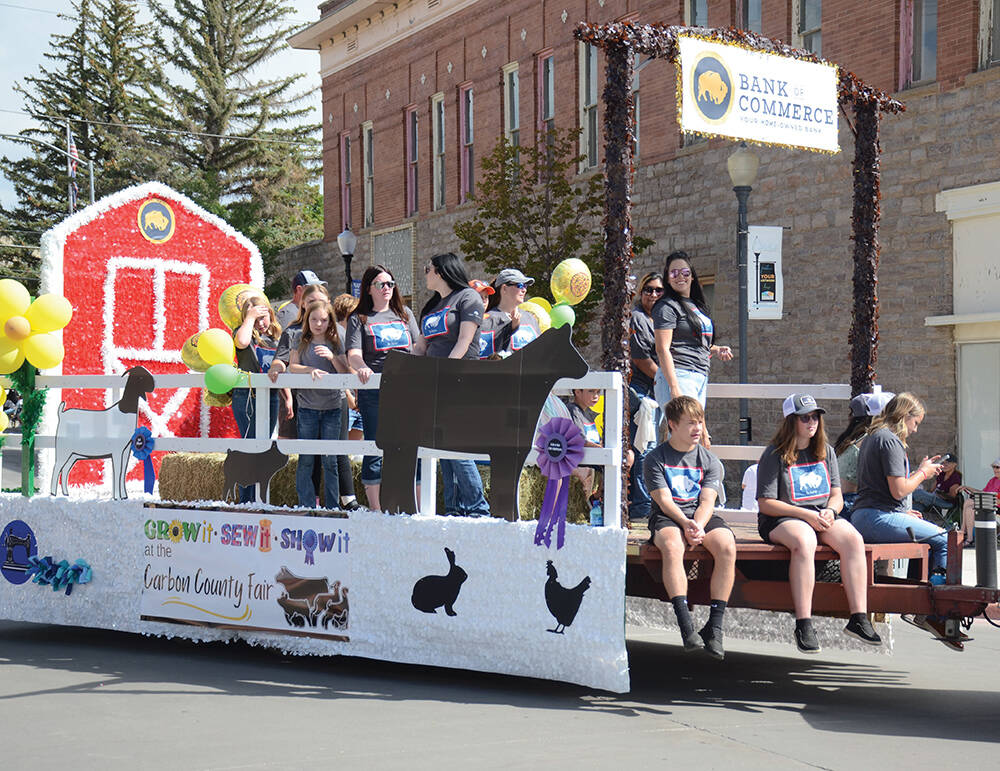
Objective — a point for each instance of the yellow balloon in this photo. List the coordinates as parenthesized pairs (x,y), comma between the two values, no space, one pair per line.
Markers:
(229,310)
(216,347)
(4,421)
(541,302)
(570,281)
(11,356)
(44,350)
(3,396)
(49,313)
(538,314)
(189,354)
(14,299)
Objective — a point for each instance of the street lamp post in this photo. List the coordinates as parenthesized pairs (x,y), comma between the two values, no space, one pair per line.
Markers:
(347,242)
(743,166)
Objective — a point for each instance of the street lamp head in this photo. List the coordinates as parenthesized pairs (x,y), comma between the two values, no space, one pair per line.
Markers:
(347,241)
(743,166)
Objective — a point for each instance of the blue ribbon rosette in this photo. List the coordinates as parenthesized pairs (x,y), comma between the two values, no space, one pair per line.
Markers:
(560,446)
(143,445)
(45,571)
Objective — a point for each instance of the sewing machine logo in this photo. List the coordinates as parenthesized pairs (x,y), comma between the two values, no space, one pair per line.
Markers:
(17,546)
(156,221)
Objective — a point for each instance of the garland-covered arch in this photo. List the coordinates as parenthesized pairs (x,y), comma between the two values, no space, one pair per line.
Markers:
(620,41)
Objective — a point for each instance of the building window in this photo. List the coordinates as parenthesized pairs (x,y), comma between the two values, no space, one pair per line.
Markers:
(925,14)
(345,180)
(511,104)
(750,15)
(810,28)
(638,65)
(696,13)
(546,94)
(588,105)
(412,146)
(466,160)
(368,164)
(995,34)
(437,149)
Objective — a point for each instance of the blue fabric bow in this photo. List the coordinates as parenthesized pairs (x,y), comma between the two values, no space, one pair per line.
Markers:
(143,445)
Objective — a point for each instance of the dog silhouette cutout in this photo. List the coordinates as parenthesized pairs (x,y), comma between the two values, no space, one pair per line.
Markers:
(251,468)
(433,592)
(488,407)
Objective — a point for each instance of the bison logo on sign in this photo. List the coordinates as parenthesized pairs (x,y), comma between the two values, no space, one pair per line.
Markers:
(143,269)
(713,88)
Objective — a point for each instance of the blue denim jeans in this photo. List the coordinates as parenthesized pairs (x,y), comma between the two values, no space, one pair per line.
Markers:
(318,424)
(923,500)
(691,383)
(878,526)
(245,413)
(371,465)
(462,478)
(638,497)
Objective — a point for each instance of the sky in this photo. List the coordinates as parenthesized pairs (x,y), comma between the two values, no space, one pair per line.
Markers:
(26,29)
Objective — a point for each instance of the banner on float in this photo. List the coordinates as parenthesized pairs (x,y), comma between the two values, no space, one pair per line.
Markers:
(765,289)
(286,574)
(727,90)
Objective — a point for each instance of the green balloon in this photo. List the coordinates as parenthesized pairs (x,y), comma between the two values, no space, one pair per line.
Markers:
(221,378)
(562,314)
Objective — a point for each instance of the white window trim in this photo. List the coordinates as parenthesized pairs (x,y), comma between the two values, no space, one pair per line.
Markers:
(368,182)
(583,108)
(438,180)
(507,69)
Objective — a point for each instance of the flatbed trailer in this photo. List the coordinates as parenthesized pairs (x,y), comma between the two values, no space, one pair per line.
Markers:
(762,578)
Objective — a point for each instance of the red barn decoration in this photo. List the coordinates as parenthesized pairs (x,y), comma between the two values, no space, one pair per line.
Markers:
(143,270)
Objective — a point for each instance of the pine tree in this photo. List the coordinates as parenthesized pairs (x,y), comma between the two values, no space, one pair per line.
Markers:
(97,80)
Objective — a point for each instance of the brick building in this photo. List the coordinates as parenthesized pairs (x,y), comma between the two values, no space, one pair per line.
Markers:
(414,93)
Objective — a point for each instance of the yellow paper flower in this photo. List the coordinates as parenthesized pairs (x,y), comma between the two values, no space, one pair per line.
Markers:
(28,330)
(176,531)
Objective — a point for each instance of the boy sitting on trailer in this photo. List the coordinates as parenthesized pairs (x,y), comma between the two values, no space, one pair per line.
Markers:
(684,480)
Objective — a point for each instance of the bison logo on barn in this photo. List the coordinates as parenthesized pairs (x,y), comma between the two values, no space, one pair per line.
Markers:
(713,88)
(156,221)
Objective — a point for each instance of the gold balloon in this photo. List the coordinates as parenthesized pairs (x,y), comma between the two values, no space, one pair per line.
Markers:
(189,354)
(14,298)
(49,313)
(541,302)
(570,281)
(44,350)
(538,317)
(217,400)
(229,310)
(4,421)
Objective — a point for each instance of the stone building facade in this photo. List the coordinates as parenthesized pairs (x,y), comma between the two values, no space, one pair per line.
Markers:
(383,63)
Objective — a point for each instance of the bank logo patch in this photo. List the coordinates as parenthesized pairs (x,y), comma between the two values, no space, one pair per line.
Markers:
(712,87)
(156,221)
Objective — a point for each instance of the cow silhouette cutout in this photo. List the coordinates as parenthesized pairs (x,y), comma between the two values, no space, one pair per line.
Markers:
(433,592)
(251,468)
(488,407)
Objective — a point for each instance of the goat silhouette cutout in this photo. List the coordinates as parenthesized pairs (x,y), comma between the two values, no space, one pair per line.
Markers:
(488,407)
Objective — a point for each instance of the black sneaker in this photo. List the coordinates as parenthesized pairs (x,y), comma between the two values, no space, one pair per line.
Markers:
(805,639)
(692,642)
(713,642)
(351,505)
(862,629)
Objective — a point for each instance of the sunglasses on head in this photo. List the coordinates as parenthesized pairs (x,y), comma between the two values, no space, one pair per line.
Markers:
(676,272)
(519,286)
(385,284)
(812,417)
(652,290)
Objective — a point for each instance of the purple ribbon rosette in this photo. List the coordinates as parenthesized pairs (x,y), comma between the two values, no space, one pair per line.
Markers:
(560,446)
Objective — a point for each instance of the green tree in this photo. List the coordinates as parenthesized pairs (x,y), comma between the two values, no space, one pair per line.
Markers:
(96,78)
(533,212)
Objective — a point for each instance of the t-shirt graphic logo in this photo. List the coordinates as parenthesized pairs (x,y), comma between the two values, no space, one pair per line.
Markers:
(522,337)
(487,344)
(809,481)
(707,328)
(264,356)
(591,434)
(436,324)
(389,334)
(684,482)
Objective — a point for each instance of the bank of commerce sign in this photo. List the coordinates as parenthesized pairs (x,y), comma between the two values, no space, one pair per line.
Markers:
(730,91)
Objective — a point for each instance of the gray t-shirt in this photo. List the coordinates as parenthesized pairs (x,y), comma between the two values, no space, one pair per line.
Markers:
(440,326)
(286,314)
(380,333)
(289,339)
(319,398)
(689,346)
(882,455)
(684,474)
(807,483)
(643,345)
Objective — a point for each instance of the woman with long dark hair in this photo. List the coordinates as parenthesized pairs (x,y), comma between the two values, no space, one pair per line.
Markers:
(684,333)
(449,325)
(799,499)
(645,365)
(380,323)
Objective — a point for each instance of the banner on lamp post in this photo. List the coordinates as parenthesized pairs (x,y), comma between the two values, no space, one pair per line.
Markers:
(730,91)
(765,288)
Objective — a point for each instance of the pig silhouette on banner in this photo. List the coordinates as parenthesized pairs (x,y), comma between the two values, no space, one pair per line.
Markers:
(488,407)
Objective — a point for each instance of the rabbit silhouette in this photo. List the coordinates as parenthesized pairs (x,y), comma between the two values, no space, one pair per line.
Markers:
(433,592)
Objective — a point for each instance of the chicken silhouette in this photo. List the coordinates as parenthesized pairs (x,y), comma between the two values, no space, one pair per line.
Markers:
(563,603)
